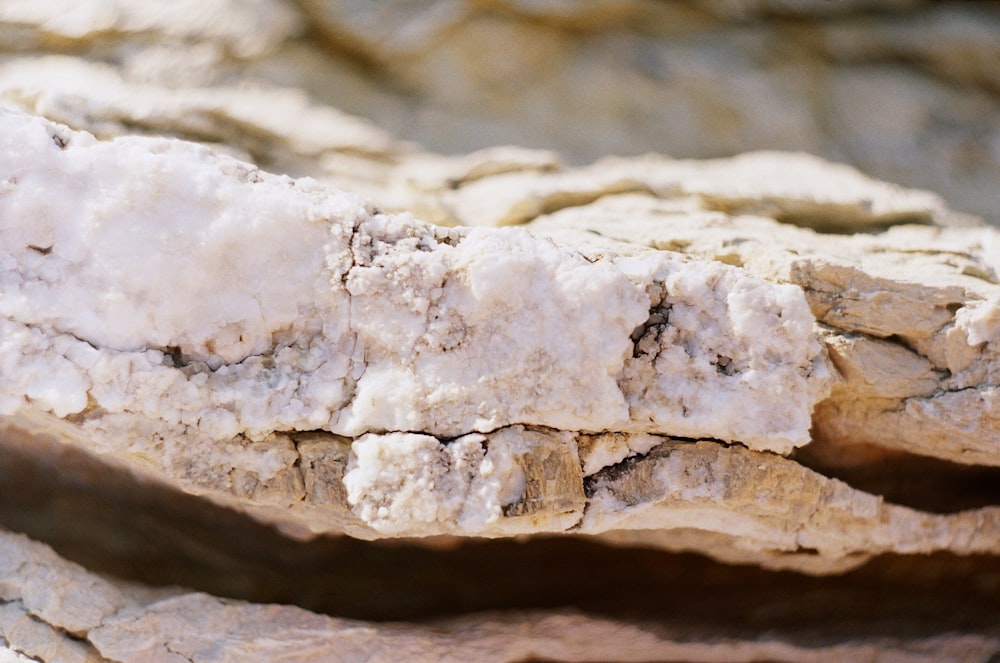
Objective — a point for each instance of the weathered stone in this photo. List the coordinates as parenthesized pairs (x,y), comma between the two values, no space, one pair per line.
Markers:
(777,504)
(39,623)
(905,90)
(909,314)
(626,371)
(378,324)
(423,353)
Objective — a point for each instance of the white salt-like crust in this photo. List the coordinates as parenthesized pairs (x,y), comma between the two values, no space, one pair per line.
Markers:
(980,321)
(485,329)
(409,484)
(911,315)
(402,483)
(179,305)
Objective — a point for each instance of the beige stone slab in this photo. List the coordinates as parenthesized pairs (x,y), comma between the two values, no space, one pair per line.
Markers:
(202,628)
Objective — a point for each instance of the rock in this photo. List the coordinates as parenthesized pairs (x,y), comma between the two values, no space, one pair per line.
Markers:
(783,186)
(479,430)
(119,622)
(396,379)
(276,128)
(379,324)
(912,331)
(905,90)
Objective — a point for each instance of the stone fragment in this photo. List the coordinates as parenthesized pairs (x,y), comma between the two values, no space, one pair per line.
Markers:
(278,128)
(777,504)
(351,371)
(629,371)
(904,90)
(794,188)
(247,29)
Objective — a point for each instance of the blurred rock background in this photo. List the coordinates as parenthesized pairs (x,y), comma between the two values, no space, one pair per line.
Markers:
(906,90)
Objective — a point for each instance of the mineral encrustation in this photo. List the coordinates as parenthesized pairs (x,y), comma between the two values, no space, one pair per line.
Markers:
(771,360)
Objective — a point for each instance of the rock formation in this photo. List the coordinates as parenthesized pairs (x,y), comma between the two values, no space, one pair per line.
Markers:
(54,610)
(769,360)
(630,370)
(906,90)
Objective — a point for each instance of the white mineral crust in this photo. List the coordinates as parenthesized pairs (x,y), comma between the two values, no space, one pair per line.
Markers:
(180,307)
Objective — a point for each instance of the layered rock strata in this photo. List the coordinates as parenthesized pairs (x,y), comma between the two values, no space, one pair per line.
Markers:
(292,351)
(904,89)
(770,360)
(53,610)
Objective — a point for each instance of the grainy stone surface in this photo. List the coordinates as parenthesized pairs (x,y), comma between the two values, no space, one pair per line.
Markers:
(88,619)
(415,348)
(358,323)
(906,90)
(846,324)
(770,359)
(909,315)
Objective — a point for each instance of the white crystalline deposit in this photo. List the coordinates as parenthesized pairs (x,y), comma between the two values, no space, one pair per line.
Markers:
(156,279)
(731,339)
(409,484)
(402,482)
(485,329)
(495,327)
(174,304)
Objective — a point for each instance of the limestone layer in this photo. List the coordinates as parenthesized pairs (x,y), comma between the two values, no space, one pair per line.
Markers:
(903,89)
(771,360)
(910,315)
(291,308)
(293,351)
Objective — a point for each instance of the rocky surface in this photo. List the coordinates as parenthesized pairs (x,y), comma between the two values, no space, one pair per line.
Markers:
(770,360)
(345,320)
(332,368)
(54,610)
(350,371)
(904,89)
(909,315)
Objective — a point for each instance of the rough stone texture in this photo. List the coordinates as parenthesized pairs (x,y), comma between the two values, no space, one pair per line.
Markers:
(770,359)
(457,372)
(354,322)
(909,315)
(904,89)
(51,609)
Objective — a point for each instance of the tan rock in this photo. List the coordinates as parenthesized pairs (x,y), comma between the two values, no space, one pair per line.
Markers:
(401,380)
(905,90)
(908,314)
(767,503)
(630,382)
(39,622)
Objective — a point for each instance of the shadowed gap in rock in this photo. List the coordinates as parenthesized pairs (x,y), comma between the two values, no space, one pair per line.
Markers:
(111,522)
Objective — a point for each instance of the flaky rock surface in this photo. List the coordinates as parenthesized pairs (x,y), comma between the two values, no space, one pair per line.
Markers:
(771,360)
(909,315)
(293,308)
(51,609)
(332,368)
(906,90)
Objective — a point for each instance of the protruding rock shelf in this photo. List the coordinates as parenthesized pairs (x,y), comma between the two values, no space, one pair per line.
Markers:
(260,340)
(678,355)
(53,610)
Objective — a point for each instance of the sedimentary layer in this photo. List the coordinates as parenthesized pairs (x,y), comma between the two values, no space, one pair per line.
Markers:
(295,352)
